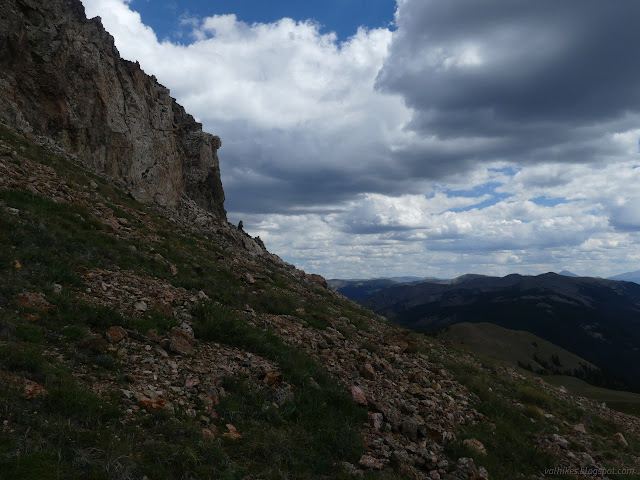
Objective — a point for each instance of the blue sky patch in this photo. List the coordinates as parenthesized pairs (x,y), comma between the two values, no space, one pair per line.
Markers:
(340,16)
(548,201)
(511,170)
(497,198)
(479,191)
(476,191)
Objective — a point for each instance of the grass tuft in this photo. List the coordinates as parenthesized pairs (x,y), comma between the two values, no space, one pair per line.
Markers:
(306,435)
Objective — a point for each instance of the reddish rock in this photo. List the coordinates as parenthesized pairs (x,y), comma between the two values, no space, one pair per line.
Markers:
(33,389)
(273,378)
(116,334)
(366,371)
(232,434)
(151,400)
(180,342)
(35,301)
(155,404)
(358,396)
(31,317)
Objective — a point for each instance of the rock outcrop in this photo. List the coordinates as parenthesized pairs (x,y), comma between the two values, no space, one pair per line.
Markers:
(61,77)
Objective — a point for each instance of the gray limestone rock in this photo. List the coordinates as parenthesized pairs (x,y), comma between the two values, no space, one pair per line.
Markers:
(62,77)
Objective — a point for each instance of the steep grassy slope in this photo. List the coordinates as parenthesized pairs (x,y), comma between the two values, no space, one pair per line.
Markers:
(556,365)
(48,244)
(623,401)
(140,342)
(516,347)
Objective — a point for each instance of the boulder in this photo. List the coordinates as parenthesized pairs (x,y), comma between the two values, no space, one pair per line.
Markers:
(358,396)
(375,420)
(140,306)
(579,428)
(475,446)
(409,429)
(233,434)
(560,441)
(619,439)
(370,463)
(367,371)
(181,342)
(116,334)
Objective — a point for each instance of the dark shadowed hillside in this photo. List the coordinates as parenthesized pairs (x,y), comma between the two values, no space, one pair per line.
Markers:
(593,318)
(358,290)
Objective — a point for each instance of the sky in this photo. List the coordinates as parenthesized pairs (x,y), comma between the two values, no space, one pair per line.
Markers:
(413,137)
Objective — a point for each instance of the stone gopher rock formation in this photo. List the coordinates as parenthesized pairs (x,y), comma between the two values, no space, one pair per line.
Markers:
(62,77)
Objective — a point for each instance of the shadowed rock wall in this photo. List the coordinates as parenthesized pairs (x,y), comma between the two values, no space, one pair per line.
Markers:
(62,77)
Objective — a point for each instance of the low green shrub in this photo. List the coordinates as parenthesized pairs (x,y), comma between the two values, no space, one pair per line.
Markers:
(29,333)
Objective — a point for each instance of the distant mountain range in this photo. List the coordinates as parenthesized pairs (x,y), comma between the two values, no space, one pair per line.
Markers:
(338,284)
(628,277)
(567,273)
(358,290)
(594,318)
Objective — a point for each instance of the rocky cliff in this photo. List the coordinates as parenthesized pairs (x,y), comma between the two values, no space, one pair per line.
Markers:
(62,77)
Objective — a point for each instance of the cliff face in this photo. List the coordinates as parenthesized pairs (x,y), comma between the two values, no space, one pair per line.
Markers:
(62,77)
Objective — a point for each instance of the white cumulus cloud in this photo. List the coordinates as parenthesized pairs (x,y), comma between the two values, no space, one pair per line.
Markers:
(471,138)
